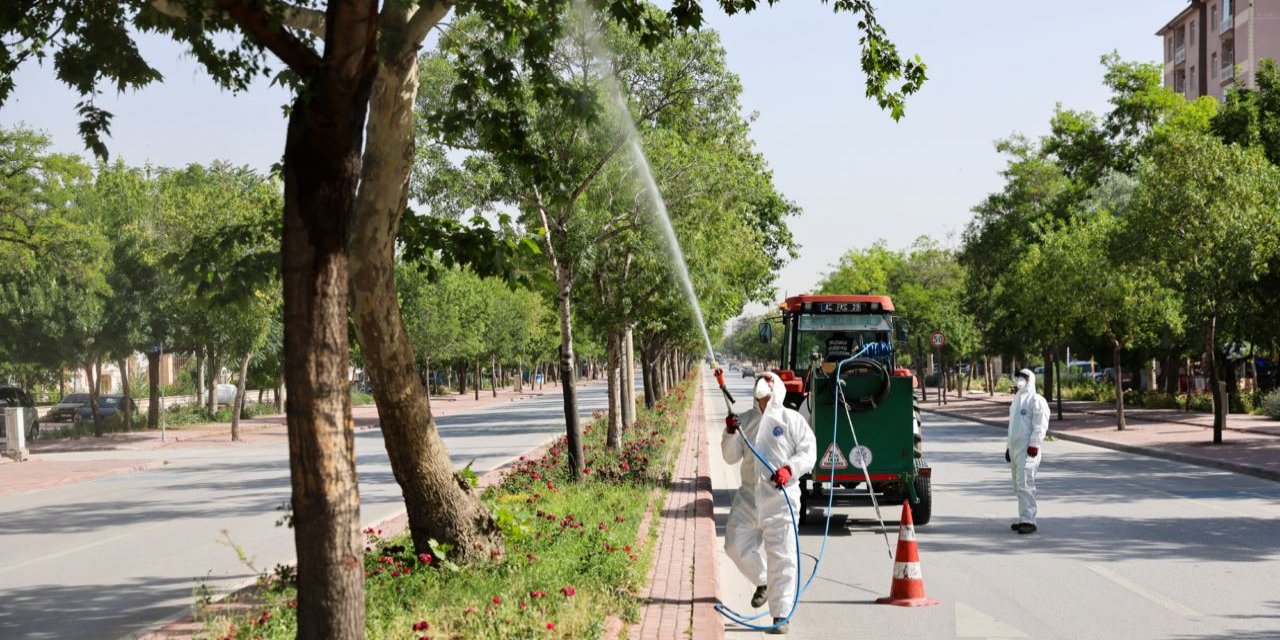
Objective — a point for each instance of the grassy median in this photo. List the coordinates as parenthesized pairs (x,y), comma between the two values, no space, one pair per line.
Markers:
(572,555)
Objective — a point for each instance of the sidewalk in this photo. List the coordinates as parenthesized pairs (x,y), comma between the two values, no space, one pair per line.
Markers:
(50,465)
(1251,444)
(683,583)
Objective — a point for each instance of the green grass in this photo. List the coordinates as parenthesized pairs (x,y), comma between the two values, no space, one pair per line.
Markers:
(572,556)
(360,398)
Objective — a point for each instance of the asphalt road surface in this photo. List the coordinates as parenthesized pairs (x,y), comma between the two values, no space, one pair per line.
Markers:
(1129,547)
(114,557)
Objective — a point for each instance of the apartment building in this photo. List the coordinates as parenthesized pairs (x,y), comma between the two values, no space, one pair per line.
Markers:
(1214,43)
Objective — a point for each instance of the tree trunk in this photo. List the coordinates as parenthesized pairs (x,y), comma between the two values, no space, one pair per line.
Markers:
(568,373)
(476,386)
(200,366)
(613,378)
(321,174)
(153,390)
(646,378)
(439,504)
(493,372)
(215,368)
(93,373)
(1117,347)
(261,395)
(126,389)
(1057,377)
(628,379)
(1218,390)
(279,395)
(238,406)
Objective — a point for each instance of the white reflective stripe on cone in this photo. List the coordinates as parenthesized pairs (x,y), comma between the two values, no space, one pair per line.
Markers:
(907,533)
(907,571)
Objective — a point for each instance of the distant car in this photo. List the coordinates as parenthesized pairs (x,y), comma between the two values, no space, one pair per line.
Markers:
(15,397)
(733,366)
(1126,377)
(108,406)
(748,372)
(67,408)
(224,393)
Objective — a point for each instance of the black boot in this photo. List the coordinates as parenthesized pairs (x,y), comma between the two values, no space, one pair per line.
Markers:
(1026,528)
(759,598)
(781,629)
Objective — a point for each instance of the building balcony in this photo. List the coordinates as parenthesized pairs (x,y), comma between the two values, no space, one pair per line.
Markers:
(1228,21)
(1180,55)
(1227,72)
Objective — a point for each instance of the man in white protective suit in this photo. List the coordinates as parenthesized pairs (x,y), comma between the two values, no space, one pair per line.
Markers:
(759,536)
(1028,424)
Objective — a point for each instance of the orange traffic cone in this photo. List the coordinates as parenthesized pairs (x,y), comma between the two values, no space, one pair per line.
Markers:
(907,589)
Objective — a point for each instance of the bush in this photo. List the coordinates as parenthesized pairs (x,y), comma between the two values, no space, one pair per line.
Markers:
(1004,383)
(1089,390)
(572,555)
(1271,404)
(184,414)
(360,398)
(1159,401)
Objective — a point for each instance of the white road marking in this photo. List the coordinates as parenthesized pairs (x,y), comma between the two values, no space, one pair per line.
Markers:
(971,623)
(1164,602)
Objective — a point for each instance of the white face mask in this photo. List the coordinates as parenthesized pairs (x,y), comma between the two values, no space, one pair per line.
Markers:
(1022,384)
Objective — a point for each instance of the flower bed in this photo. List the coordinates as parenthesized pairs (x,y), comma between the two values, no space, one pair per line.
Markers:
(572,556)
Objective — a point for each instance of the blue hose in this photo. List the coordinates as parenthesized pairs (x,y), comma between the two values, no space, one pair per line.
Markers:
(744,620)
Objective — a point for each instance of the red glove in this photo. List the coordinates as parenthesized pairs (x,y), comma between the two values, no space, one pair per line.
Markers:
(731,424)
(1033,451)
(782,476)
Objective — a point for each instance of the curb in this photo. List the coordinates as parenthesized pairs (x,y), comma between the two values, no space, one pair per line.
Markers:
(1130,415)
(1222,465)
(706,578)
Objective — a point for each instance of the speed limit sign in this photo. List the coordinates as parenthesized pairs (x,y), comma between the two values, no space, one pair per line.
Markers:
(937,339)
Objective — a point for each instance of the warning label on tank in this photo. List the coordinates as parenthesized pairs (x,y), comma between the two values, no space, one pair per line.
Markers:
(860,456)
(833,459)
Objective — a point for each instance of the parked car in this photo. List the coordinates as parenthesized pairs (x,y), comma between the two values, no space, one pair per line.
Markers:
(108,406)
(224,394)
(1126,377)
(748,372)
(15,397)
(66,410)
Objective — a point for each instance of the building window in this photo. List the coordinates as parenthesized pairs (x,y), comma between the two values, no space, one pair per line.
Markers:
(1193,83)
(1213,63)
(1193,33)
(1213,14)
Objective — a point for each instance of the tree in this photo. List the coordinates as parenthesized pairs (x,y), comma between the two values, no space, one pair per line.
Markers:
(322,172)
(1207,212)
(52,258)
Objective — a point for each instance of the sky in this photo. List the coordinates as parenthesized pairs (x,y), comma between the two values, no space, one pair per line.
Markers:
(995,67)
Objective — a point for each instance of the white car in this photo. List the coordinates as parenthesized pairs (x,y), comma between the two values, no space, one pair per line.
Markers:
(224,394)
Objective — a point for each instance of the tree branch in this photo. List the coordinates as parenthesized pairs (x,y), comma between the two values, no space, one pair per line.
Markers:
(424,19)
(293,16)
(299,57)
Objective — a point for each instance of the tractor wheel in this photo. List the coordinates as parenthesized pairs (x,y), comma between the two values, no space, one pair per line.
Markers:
(805,502)
(922,511)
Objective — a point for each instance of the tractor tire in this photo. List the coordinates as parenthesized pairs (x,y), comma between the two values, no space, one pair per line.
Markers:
(922,511)
(806,503)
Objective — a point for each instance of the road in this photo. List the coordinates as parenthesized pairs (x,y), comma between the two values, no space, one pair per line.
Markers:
(1129,547)
(113,557)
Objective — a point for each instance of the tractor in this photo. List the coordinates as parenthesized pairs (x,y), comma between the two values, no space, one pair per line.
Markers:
(839,364)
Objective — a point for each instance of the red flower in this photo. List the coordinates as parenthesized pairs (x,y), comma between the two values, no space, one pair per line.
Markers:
(537,594)
(495,554)
(421,625)
(568,591)
(497,599)
(626,467)
(603,527)
(531,556)
(523,606)
(627,548)
(551,626)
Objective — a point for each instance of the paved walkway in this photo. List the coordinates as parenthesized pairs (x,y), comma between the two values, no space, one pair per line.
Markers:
(57,462)
(683,582)
(1251,444)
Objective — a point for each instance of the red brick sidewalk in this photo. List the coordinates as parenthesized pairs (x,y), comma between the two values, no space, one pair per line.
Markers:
(1249,449)
(684,580)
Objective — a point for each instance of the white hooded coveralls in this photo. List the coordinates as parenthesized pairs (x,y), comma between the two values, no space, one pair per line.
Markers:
(759,536)
(1028,424)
